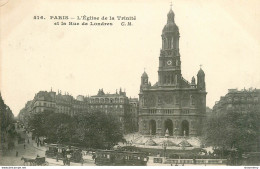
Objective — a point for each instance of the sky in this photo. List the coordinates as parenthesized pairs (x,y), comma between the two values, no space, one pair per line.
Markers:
(36,55)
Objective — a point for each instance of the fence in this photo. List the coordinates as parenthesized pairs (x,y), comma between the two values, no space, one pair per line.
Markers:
(196,161)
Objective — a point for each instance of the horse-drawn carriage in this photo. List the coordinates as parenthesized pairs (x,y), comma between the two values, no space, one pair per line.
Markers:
(41,161)
(38,161)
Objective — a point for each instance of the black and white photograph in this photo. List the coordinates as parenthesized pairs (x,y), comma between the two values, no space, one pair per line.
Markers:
(129,83)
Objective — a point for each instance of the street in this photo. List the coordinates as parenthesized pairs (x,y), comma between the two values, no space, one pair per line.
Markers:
(31,151)
(9,157)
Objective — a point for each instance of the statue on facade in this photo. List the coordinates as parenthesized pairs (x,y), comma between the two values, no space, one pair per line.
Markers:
(167,133)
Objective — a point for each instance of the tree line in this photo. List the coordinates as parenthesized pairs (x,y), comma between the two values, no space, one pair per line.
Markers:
(235,131)
(91,130)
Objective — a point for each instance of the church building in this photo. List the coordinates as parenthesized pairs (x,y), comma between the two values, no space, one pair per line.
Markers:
(172,105)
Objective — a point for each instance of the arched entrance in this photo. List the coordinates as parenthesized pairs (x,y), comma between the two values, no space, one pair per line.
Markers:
(168,125)
(152,127)
(185,128)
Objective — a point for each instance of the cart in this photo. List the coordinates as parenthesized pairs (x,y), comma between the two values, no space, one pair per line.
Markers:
(41,161)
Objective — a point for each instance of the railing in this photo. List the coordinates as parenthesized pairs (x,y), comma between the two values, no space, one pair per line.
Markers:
(196,161)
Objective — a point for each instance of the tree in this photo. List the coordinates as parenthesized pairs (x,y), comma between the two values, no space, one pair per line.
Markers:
(60,128)
(92,130)
(98,130)
(37,123)
(232,130)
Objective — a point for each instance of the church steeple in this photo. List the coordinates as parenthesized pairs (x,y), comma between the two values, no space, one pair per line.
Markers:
(170,16)
(169,73)
(201,80)
(144,79)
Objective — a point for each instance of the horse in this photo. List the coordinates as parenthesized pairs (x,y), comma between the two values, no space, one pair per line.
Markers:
(28,160)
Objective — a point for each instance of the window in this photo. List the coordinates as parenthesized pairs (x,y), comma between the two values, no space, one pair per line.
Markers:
(106,100)
(191,100)
(97,100)
(255,99)
(101,100)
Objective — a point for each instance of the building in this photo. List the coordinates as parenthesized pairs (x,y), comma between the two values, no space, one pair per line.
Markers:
(242,102)
(57,103)
(172,104)
(69,105)
(134,113)
(239,101)
(6,116)
(43,101)
(24,113)
(116,104)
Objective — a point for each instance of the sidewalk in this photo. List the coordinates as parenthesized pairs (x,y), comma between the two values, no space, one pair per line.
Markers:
(60,162)
(42,148)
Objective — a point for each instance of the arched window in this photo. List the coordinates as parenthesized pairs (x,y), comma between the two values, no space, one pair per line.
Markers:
(121,100)
(111,100)
(106,100)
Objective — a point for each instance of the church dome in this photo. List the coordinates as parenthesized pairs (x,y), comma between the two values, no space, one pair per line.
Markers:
(170,26)
(201,73)
(144,74)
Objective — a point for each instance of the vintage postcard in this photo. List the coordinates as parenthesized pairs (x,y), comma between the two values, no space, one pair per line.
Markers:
(129,83)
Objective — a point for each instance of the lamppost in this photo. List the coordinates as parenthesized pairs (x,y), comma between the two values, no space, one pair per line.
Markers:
(164,149)
(165,142)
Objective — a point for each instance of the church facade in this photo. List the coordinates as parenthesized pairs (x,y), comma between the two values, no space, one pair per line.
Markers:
(172,104)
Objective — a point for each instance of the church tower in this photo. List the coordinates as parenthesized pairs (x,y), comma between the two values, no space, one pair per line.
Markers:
(172,106)
(201,80)
(169,73)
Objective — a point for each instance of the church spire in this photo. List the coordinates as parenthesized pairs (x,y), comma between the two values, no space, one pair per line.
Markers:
(170,16)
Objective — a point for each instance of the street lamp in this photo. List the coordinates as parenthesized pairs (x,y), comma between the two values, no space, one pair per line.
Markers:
(164,148)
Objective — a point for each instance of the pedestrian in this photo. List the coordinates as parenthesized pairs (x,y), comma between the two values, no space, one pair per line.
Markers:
(194,160)
(16,153)
(68,160)
(64,161)
(82,161)
(24,146)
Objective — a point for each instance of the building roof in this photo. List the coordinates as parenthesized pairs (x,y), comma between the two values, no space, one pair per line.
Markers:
(144,74)
(201,73)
